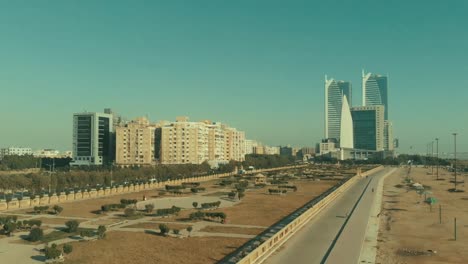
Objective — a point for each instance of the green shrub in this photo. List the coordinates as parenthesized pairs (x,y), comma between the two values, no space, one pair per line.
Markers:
(164,229)
(67,248)
(35,234)
(101,232)
(72,226)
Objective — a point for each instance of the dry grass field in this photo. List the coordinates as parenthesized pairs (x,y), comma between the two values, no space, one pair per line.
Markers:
(137,247)
(409,229)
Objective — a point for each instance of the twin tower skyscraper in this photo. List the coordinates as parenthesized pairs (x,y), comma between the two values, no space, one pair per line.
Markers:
(363,127)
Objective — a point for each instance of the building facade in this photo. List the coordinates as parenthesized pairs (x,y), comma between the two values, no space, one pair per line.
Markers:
(368,125)
(375,91)
(135,143)
(92,139)
(388,135)
(346,126)
(334,94)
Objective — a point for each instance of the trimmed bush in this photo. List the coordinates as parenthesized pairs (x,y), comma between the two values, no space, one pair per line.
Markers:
(67,248)
(164,229)
(72,226)
(35,234)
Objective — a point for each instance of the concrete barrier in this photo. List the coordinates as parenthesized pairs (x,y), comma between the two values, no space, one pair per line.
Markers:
(25,202)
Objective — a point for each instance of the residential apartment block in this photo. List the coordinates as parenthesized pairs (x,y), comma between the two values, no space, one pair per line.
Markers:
(195,142)
(135,143)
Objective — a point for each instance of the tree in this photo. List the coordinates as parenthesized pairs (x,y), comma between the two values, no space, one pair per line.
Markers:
(195,204)
(9,228)
(129,212)
(164,229)
(101,232)
(52,252)
(57,209)
(189,229)
(67,248)
(175,231)
(149,208)
(72,226)
(35,234)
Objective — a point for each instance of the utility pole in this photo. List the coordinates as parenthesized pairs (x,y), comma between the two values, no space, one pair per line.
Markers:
(455,156)
(432,158)
(437,158)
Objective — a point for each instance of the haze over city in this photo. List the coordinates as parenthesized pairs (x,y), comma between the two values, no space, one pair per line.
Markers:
(257,65)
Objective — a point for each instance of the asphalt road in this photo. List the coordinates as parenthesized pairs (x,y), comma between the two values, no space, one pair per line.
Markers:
(327,238)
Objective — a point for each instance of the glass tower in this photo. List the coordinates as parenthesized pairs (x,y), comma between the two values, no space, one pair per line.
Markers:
(335,91)
(375,91)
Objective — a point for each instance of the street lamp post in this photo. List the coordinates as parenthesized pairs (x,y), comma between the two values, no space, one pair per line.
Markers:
(455,158)
(432,158)
(437,157)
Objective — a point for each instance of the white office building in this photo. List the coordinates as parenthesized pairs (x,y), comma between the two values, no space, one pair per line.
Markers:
(15,151)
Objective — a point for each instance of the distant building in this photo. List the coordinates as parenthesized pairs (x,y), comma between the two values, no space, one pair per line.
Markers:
(335,91)
(388,135)
(249,146)
(271,150)
(260,150)
(15,151)
(135,143)
(47,153)
(93,136)
(375,91)
(368,125)
(287,151)
(327,146)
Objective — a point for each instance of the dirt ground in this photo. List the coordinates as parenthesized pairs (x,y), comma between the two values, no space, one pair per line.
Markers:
(136,247)
(234,230)
(55,220)
(408,227)
(262,209)
(156,226)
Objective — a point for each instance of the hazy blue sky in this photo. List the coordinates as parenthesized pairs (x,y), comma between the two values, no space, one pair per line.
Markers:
(256,65)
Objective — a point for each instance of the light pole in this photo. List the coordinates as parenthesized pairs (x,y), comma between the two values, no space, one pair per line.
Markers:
(432,158)
(437,157)
(455,158)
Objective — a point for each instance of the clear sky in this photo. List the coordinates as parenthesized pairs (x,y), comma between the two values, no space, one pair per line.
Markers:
(256,65)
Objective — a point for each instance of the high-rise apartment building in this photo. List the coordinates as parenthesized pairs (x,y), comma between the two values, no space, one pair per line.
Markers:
(92,138)
(184,142)
(195,142)
(375,90)
(335,92)
(234,144)
(368,125)
(135,143)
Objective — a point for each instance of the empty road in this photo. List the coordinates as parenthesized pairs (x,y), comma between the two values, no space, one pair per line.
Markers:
(333,237)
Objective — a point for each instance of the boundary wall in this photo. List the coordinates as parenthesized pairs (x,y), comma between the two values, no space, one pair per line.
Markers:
(62,197)
(259,248)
